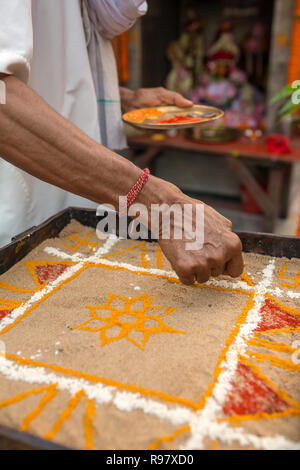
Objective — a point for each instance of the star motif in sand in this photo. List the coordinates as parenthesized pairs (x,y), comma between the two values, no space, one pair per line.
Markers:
(129,315)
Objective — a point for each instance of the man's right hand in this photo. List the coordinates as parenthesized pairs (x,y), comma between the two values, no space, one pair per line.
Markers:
(220,251)
(35,138)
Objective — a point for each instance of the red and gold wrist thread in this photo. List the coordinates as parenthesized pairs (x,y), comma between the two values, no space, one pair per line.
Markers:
(136,189)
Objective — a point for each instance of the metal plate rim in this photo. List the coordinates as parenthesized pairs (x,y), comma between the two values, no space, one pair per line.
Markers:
(153,126)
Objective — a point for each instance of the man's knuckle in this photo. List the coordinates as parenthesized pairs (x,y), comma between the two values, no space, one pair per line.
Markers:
(185,268)
(215,258)
(187,280)
(203,276)
(218,261)
(193,265)
(235,243)
(210,261)
(229,223)
(203,266)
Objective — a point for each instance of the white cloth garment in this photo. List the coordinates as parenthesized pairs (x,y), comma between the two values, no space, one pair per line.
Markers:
(116,16)
(105,78)
(44,43)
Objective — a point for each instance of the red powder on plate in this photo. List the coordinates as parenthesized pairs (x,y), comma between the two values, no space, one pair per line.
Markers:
(179,119)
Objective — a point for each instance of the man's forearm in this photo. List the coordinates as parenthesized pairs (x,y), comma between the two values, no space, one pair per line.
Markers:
(38,140)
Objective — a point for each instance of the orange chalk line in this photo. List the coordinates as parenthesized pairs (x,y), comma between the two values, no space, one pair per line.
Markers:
(65,415)
(88,421)
(158,257)
(168,438)
(280,347)
(276,361)
(22,396)
(247,279)
(126,250)
(20,290)
(81,241)
(238,419)
(277,331)
(296,279)
(162,275)
(49,396)
(10,304)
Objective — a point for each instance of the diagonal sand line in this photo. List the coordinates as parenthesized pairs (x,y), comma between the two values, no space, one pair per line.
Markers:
(37,297)
(19,312)
(159,272)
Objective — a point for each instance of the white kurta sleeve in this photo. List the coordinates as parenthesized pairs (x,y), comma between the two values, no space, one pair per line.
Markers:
(16,38)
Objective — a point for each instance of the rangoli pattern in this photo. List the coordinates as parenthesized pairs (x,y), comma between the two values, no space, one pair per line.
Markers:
(242,390)
(127,319)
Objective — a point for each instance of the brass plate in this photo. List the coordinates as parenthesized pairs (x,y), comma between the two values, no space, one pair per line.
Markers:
(147,118)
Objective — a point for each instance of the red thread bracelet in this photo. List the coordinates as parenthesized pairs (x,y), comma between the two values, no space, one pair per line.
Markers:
(136,189)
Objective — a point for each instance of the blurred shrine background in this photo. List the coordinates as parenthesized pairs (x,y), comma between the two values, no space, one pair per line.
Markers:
(237,55)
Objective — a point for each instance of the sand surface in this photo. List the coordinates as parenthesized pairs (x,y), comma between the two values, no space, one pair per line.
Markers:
(103,348)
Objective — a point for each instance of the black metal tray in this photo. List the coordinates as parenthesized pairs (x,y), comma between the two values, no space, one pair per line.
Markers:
(261,243)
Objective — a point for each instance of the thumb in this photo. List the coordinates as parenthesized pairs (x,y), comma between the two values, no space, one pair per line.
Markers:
(182,102)
(172,97)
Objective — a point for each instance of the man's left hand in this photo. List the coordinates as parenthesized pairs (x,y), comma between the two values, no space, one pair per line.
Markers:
(148,97)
